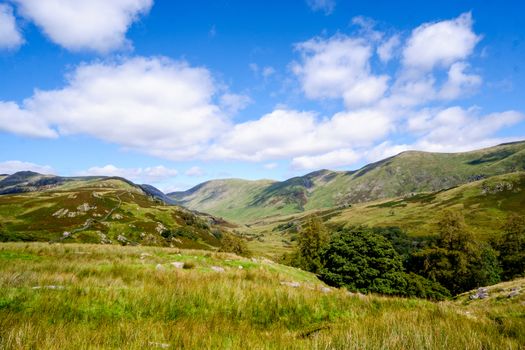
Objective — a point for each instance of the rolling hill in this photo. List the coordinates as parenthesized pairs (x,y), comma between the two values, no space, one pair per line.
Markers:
(406,173)
(99,210)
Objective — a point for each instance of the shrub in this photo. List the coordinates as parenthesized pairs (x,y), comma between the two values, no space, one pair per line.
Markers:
(234,244)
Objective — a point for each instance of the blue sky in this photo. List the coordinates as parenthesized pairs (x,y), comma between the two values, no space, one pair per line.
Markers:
(174,93)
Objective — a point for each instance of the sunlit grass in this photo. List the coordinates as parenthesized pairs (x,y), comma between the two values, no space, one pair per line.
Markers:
(90,296)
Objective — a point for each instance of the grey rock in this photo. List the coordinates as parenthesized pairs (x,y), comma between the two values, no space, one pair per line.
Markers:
(217,269)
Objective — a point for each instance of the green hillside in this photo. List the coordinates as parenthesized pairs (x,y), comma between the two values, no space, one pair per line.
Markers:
(406,173)
(486,205)
(110,297)
(102,210)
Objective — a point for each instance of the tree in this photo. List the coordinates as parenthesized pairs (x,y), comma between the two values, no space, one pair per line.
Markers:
(458,262)
(363,261)
(512,247)
(312,239)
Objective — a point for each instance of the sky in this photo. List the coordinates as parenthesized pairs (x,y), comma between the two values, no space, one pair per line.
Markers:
(174,93)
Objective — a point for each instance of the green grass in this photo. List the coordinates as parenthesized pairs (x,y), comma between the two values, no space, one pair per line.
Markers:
(115,297)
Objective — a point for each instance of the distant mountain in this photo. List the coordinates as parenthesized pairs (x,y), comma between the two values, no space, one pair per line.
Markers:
(406,173)
(29,181)
(107,210)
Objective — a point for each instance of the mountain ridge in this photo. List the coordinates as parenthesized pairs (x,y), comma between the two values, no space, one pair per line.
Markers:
(402,174)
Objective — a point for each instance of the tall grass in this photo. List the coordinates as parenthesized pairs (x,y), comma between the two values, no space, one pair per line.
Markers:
(117,297)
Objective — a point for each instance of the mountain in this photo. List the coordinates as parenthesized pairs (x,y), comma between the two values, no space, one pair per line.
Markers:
(403,174)
(38,207)
(486,204)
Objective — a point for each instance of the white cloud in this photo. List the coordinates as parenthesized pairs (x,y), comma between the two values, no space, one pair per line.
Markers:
(287,133)
(459,82)
(195,171)
(148,174)
(153,105)
(441,43)
(10,36)
(386,50)
(22,122)
(326,6)
(97,25)
(233,103)
(337,158)
(339,67)
(457,129)
(268,71)
(13,166)
(384,150)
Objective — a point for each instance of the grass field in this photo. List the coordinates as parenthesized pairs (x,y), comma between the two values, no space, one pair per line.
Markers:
(72,296)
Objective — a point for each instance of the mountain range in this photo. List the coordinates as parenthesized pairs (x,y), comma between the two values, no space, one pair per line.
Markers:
(404,174)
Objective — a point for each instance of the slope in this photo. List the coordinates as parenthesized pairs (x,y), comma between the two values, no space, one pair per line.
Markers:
(408,172)
(101,210)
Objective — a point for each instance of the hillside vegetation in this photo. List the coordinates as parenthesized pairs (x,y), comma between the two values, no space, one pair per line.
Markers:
(91,296)
(99,210)
(404,174)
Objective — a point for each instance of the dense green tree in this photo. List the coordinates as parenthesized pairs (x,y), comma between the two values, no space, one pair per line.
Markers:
(363,261)
(512,247)
(458,261)
(312,239)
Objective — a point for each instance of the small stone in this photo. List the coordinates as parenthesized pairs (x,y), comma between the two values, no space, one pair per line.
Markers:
(177,264)
(66,234)
(325,290)
(291,284)
(159,345)
(240,267)
(217,269)
(159,267)
(513,294)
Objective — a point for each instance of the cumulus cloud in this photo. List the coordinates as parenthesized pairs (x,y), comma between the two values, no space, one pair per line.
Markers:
(457,129)
(148,174)
(339,67)
(233,103)
(13,166)
(286,133)
(337,158)
(10,36)
(386,50)
(326,6)
(459,82)
(19,121)
(96,25)
(195,171)
(154,105)
(441,43)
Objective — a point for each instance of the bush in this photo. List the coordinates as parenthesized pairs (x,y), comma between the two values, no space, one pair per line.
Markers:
(234,244)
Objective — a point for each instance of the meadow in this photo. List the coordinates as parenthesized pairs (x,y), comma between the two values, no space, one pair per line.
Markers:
(81,296)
